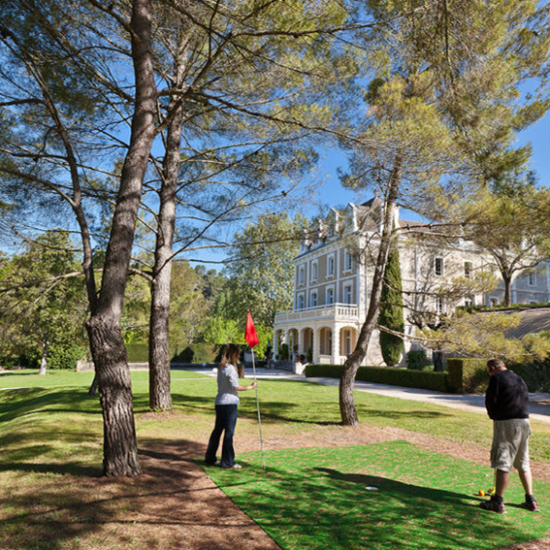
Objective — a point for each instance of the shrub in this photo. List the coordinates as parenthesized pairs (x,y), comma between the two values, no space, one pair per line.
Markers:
(284,352)
(417,360)
(197,353)
(186,356)
(65,356)
(536,375)
(10,362)
(435,381)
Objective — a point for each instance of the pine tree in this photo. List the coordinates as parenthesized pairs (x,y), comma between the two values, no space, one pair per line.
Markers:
(391,310)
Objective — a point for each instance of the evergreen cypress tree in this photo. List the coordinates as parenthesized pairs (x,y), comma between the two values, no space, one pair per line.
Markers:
(391,310)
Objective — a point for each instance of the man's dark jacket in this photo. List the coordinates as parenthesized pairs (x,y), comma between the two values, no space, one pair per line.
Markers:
(507,396)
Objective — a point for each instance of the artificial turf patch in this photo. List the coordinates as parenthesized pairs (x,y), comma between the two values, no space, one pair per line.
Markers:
(316,498)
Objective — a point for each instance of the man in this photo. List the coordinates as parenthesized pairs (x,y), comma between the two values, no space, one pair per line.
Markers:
(507,403)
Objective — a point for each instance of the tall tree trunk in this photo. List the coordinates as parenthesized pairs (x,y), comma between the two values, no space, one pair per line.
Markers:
(348,411)
(507,278)
(44,358)
(106,342)
(159,349)
(120,457)
(95,383)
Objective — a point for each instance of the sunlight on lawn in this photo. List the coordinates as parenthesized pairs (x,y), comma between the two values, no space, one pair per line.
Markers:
(316,498)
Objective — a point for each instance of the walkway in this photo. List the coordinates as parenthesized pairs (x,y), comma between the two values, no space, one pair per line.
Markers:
(539,403)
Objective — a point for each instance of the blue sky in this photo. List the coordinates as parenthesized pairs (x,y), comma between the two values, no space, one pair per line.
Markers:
(538,135)
(331,192)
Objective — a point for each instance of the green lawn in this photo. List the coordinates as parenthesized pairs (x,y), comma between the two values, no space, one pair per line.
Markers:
(51,438)
(316,498)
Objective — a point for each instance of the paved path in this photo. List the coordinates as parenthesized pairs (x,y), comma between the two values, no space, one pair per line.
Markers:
(539,405)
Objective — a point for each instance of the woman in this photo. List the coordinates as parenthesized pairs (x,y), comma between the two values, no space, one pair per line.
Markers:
(227,402)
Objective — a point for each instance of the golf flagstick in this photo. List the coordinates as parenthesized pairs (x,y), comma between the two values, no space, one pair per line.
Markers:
(258,409)
(251,338)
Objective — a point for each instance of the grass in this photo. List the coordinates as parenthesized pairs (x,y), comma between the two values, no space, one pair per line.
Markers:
(51,451)
(316,498)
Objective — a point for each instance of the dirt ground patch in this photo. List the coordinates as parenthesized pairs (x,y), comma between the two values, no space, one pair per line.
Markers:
(178,506)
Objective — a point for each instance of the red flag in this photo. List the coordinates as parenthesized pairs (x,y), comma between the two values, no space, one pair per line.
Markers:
(250,334)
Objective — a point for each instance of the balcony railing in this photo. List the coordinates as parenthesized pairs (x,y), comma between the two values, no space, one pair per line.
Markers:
(340,312)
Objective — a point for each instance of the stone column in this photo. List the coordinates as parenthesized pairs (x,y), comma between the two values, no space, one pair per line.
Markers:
(316,344)
(336,345)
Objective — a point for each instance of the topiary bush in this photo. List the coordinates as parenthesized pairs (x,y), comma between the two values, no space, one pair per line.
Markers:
(391,310)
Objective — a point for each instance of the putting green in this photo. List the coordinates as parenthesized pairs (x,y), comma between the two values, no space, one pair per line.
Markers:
(316,498)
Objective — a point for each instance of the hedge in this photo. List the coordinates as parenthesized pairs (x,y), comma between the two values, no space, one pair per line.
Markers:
(137,353)
(435,381)
(468,375)
(191,353)
(536,375)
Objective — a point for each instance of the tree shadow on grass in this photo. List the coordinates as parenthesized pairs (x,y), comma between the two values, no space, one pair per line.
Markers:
(70,468)
(50,450)
(7,374)
(165,506)
(17,403)
(275,412)
(367,412)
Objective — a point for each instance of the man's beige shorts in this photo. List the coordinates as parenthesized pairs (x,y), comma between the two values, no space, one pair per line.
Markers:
(511,444)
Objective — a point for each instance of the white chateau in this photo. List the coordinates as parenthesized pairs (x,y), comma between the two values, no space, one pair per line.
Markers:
(333,272)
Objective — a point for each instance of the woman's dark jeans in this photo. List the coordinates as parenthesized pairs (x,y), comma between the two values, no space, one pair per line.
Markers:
(226,420)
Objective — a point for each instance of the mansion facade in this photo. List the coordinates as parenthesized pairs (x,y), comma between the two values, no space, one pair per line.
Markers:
(334,270)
